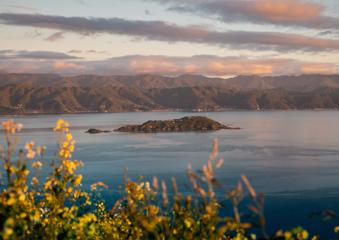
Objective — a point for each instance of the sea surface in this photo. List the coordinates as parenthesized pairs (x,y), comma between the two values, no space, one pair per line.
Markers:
(291,156)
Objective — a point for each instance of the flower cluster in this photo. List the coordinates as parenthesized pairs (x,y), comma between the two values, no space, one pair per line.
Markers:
(11,127)
(61,126)
(59,208)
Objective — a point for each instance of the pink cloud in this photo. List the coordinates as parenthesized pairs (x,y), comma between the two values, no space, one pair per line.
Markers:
(286,10)
(301,13)
(208,65)
(191,68)
(62,65)
(311,68)
(241,68)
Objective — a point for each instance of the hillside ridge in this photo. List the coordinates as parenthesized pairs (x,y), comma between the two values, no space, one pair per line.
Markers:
(50,93)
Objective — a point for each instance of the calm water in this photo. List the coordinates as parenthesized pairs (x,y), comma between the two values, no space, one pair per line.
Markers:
(293,157)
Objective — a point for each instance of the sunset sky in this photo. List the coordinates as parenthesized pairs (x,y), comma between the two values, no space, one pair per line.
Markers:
(170,37)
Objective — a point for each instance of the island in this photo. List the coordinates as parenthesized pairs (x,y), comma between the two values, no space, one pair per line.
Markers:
(96,131)
(185,124)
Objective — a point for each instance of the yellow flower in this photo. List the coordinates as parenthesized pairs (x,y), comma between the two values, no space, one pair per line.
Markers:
(48,197)
(30,153)
(36,217)
(67,146)
(87,218)
(8,232)
(153,210)
(11,127)
(22,197)
(35,181)
(188,222)
(304,234)
(69,165)
(288,235)
(253,236)
(69,137)
(11,201)
(77,180)
(48,184)
(98,184)
(25,172)
(37,164)
(71,148)
(29,145)
(69,190)
(64,153)
(61,126)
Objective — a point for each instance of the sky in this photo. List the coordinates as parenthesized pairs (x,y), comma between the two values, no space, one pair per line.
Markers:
(219,38)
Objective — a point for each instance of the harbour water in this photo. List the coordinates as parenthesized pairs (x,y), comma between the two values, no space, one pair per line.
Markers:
(291,156)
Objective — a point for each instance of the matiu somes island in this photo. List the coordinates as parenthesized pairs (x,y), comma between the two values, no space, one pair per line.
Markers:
(185,124)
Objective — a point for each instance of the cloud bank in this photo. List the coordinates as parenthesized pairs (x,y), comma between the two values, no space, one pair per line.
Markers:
(165,65)
(300,13)
(8,54)
(166,32)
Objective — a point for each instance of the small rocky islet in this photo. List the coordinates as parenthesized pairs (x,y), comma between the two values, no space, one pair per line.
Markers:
(96,131)
(185,124)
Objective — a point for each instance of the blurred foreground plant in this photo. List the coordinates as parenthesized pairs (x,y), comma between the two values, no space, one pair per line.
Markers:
(57,208)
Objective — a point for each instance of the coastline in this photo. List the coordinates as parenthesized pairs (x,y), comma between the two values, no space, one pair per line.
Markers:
(169,110)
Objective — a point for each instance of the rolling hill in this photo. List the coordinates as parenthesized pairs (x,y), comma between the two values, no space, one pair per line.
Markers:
(50,93)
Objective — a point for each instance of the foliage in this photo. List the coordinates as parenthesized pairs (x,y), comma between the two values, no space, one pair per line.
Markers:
(58,208)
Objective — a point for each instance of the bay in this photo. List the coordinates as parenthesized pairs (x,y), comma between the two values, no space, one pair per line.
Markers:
(291,156)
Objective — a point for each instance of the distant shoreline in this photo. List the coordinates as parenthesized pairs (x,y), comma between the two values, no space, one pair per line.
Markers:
(170,110)
(35,94)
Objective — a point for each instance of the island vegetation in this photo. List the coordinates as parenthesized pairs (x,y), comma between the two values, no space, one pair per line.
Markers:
(185,124)
(58,207)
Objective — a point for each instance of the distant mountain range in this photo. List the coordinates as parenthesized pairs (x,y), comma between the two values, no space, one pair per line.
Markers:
(50,93)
